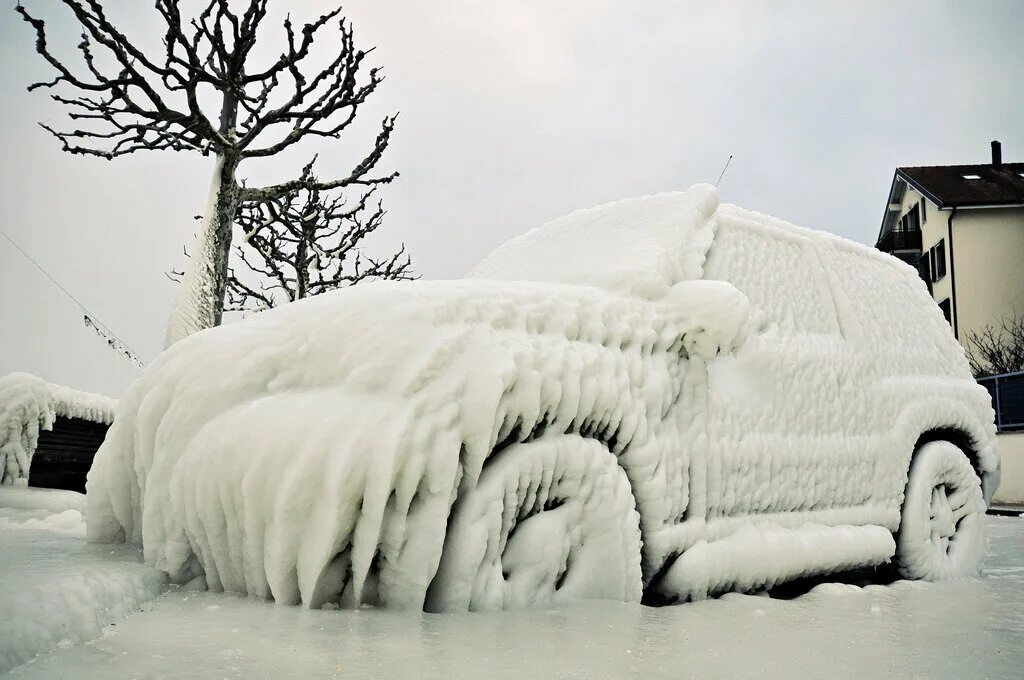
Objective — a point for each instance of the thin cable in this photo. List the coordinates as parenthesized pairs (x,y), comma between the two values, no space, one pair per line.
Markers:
(723,170)
(90,317)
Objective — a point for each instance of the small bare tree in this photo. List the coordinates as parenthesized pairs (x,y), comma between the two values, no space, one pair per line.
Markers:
(304,243)
(998,348)
(202,93)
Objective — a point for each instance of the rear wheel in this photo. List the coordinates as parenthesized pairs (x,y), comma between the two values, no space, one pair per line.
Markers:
(550,521)
(941,532)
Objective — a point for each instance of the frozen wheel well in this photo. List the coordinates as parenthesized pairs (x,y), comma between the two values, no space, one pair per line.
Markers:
(548,519)
(958,438)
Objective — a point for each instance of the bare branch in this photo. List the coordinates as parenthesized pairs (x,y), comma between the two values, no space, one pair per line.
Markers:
(121,98)
(130,95)
(998,348)
(307,242)
(358,176)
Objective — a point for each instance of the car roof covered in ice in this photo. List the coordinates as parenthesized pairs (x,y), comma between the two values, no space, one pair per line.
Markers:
(636,246)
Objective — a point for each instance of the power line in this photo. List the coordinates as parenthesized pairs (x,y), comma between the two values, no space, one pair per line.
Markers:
(90,319)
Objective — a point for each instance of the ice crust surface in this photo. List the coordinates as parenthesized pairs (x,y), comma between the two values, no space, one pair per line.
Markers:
(55,589)
(546,430)
(793,553)
(969,628)
(29,404)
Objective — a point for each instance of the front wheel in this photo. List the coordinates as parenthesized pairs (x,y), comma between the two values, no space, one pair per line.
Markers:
(549,521)
(941,533)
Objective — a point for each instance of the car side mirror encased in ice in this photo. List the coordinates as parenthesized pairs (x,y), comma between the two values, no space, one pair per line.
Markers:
(710,317)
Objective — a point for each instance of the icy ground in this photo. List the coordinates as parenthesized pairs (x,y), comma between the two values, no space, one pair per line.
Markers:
(56,589)
(49,579)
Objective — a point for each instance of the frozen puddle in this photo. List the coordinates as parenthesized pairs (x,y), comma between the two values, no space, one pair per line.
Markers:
(962,629)
(55,589)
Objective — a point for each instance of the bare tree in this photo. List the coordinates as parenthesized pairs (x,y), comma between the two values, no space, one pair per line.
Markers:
(305,243)
(124,100)
(997,349)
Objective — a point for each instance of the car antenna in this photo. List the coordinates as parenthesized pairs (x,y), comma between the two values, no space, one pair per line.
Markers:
(723,170)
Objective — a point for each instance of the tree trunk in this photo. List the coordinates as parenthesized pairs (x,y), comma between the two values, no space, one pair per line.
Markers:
(199,302)
(302,261)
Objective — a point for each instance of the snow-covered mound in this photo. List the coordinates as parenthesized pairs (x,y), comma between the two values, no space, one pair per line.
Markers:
(42,501)
(56,589)
(546,430)
(29,404)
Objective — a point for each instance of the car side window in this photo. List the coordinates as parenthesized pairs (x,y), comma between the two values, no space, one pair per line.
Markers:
(892,310)
(778,271)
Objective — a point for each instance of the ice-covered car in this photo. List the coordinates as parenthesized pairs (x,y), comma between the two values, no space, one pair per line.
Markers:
(660,395)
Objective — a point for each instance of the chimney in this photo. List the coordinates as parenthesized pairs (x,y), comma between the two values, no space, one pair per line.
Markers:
(997,153)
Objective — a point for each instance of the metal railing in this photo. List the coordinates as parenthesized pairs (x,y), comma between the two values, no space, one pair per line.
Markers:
(899,240)
(1007,390)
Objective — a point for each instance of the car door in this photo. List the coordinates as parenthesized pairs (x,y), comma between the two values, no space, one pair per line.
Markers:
(782,423)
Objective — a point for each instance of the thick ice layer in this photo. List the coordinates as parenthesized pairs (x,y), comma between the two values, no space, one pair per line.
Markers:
(347,425)
(37,500)
(569,504)
(192,310)
(638,246)
(781,554)
(952,630)
(942,533)
(475,440)
(54,588)
(29,404)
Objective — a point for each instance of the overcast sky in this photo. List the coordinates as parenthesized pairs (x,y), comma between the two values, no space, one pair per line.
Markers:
(513,113)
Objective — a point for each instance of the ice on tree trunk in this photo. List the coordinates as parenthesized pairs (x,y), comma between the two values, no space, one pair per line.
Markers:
(198,302)
(648,396)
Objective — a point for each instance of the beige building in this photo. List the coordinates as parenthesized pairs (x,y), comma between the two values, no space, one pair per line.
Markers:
(962,226)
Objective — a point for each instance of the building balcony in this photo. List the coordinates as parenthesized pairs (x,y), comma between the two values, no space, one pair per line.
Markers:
(900,241)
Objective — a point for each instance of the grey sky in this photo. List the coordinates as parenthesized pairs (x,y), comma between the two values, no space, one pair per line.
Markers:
(513,113)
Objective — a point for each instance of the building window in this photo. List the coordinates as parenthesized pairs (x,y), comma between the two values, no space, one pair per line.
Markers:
(937,260)
(924,211)
(946,310)
(924,268)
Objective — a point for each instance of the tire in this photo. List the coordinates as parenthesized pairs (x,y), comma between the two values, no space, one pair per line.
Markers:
(549,522)
(942,527)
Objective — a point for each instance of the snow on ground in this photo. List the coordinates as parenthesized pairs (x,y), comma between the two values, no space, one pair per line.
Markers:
(955,629)
(56,589)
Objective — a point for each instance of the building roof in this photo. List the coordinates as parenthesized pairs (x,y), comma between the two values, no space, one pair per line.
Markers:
(968,185)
